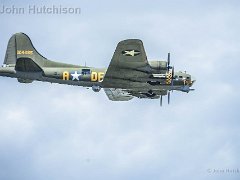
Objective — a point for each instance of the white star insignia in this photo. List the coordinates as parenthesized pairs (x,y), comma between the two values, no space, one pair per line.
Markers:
(131,53)
(75,76)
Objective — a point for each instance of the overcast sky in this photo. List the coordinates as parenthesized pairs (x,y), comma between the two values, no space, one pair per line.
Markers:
(59,132)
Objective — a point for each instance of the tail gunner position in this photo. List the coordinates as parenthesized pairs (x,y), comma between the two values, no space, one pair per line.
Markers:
(129,74)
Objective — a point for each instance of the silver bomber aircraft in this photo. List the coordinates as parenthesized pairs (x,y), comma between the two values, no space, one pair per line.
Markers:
(129,74)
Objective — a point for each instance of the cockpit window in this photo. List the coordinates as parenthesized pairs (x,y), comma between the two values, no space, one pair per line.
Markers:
(180,77)
(86,71)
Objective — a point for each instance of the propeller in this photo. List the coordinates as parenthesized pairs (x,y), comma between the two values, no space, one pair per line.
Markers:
(172,78)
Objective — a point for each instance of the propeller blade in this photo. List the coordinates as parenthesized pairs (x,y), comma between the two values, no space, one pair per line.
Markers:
(169,59)
(172,72)
(161,100)
(168,97)
(172,78)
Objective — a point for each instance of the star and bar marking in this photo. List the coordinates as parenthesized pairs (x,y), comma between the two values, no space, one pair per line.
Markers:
(131,52)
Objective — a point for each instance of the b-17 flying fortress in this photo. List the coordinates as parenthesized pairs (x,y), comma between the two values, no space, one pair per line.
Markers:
(129,74)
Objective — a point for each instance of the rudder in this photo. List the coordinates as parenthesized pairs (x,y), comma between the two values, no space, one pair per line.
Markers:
(11,56)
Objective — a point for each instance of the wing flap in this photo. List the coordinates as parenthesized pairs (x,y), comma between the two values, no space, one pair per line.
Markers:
(117,94)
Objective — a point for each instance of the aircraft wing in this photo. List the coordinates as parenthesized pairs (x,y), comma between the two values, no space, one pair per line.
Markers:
(129,64)
(126,95)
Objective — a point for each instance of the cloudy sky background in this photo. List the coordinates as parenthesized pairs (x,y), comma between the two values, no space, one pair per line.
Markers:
(50,131)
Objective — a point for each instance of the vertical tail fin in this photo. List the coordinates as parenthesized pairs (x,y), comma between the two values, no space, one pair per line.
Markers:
(20,46)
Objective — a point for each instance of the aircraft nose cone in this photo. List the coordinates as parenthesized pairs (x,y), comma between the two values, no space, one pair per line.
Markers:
(193,80)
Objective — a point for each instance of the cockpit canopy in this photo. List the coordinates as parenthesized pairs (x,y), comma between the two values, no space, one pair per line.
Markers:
(182,75)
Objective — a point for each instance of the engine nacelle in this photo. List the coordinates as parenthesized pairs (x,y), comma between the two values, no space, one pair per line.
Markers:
(96,88)
(158,65)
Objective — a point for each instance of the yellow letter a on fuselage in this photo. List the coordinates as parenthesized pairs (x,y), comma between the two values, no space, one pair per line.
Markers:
(66,76)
